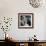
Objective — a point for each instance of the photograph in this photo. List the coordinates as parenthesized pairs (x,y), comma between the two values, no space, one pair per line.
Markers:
(25,20)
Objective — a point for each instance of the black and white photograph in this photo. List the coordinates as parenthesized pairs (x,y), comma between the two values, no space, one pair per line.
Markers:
(25,20)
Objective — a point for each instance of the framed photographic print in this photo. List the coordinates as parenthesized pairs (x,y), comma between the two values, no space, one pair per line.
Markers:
(25,20)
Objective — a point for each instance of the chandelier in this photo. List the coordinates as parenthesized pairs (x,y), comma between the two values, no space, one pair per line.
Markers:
(36,3)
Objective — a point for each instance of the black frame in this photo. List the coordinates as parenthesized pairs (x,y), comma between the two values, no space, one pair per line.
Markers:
(24,14)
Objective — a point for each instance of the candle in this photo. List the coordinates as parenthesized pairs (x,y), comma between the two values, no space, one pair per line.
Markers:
(7,35)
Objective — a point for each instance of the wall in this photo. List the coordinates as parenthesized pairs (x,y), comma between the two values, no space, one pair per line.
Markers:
(11,8)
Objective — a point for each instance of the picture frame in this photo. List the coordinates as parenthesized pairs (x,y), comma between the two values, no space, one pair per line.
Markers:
(25,20)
